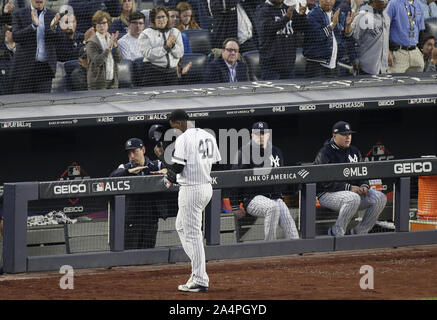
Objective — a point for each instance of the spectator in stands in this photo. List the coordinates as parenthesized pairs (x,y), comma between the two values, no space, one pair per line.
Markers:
(7,52)
(129,43)
(85,10)
(347,197)
(121,24)
(188,21)
(175,20)
(70,41)
(226,68)
(103,54)
(327,40)
(79,80)
(371,28)
(429,52)
(277,27)
(161,47)
(429,8)
(264,201)
(140,227)
(235,19)
(36,33)
(406,23)
(6,7)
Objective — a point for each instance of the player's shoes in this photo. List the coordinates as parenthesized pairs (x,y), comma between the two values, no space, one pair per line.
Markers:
(192,287)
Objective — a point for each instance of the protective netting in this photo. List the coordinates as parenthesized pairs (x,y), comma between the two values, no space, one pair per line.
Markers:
(67,45)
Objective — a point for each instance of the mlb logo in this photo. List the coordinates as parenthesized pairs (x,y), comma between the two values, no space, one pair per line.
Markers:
(74,171)
(98,187)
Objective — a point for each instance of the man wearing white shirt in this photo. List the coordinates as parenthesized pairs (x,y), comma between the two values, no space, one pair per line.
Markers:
(129,43)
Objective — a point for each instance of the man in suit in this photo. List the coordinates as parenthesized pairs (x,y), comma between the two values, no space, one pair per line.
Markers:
(35,31)
(226,68)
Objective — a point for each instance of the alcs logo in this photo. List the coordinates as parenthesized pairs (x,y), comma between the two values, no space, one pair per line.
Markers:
(412,167)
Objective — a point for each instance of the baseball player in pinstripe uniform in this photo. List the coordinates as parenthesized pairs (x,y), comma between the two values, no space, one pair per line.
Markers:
(195,152)
(261,201)
(347,197)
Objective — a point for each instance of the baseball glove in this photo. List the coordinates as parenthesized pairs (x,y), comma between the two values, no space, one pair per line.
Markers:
(171,176)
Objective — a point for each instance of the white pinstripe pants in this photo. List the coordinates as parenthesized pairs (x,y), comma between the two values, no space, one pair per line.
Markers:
(192,200)
(347,203)
(274,212)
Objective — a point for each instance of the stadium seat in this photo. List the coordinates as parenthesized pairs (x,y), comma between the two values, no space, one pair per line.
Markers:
(251,58)
(431,26)
(200,41)
(299,67)
(125,74)
(195,75)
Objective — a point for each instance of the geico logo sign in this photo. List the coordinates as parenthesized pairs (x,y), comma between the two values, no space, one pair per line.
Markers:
(355,172)
(111,186)
(307,107)
(67,189)
(413,167)
(73,209)
(136,118)
(383,103)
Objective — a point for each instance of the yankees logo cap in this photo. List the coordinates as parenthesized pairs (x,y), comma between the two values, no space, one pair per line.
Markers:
(342,127)
(133,143)
(260,126)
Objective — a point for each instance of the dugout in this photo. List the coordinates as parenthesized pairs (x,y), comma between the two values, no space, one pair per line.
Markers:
(81,135)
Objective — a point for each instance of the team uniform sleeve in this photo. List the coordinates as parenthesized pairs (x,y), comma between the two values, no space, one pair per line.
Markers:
(179,155)
(217,156)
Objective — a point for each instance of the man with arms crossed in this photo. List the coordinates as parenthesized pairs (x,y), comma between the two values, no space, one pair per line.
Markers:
(347,197)
(195,152)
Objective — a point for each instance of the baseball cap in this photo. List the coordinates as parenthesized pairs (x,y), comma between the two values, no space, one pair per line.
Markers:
(342,127)
(260,126)
(133,143)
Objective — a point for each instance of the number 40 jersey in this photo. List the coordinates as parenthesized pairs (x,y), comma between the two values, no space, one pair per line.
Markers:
(197,150)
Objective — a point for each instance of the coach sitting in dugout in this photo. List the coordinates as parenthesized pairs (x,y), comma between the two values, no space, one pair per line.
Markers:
(264,201)
(347,197)
(140,226)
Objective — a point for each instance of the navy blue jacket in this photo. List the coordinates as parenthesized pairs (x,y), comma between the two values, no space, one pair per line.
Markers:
(25,38)
(331,153)
(68,49)
(277,36)
(217,71)
(122,170)
(247,194)
(318,36)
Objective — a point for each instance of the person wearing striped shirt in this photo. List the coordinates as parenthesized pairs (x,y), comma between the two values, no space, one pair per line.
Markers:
(195,151)
(128,44)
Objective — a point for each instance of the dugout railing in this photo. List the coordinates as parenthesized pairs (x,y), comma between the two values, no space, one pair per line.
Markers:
(18,195)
